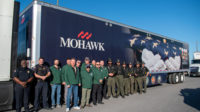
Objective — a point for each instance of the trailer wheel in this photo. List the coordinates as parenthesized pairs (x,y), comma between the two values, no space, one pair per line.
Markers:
(170,78)
(175,78)
(182,77)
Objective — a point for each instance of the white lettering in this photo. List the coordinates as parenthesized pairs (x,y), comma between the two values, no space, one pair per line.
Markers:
(72,43)
(88,46)
(63,43)
(81,44)
(101,47)
(93,45)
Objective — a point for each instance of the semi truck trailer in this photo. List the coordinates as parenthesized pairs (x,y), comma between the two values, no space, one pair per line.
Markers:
(51,31)
(9,15)
(195,64)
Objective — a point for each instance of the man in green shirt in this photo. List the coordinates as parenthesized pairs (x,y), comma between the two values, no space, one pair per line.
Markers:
(64,71)
(86,80)
(72,81)
(55,83)
(87,62)
(93,65)
(97,85)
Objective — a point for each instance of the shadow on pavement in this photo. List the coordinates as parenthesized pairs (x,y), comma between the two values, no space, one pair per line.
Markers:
(191,97)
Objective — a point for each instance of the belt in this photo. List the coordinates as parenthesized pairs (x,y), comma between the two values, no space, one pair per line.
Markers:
(39,80)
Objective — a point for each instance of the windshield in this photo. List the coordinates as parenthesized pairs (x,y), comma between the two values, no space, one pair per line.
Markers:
(195,61)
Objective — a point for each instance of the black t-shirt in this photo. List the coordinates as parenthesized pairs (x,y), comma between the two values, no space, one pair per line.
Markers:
(144,70)
(23,74)
(41,70)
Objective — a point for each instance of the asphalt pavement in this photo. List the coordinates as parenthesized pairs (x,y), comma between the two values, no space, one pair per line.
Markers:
(182,97)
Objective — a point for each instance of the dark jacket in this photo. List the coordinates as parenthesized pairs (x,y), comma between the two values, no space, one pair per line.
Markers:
(144,71)
(138,71)
(125,72)
(119,70)
(131,71)
(111,69)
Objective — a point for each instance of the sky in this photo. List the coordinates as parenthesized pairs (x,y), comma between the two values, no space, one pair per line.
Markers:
(177,19)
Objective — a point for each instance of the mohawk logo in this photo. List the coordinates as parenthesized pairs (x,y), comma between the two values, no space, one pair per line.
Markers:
(83,35)
(82,44)
(23,19)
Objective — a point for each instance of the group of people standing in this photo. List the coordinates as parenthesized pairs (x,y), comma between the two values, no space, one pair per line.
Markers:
(94,81)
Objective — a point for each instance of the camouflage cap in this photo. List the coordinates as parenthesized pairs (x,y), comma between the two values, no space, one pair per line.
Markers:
(138,62)
(109,60)
(124,63)
(118,61)
(87,58)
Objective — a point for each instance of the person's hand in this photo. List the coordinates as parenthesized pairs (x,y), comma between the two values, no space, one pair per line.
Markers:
(68,86)
(100,80)
(110,74)
(63,83)
(43,77)
(79,84)
(23,84)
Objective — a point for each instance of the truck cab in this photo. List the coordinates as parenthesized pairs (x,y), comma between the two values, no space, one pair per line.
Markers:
(195,65)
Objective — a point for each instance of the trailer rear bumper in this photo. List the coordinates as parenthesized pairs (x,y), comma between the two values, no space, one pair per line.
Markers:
(6,95)
(194,73)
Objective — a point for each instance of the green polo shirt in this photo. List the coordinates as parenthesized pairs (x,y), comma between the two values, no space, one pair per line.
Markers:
(87,79)
(71,77)
(104,72)
(56,75)
(97,75)
(64,71)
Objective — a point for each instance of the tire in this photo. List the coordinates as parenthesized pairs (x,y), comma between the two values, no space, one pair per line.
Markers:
(170,78)
(181,77)
(175,78)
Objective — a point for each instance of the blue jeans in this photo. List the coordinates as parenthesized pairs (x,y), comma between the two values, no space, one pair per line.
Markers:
(73,89)
(55,87)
